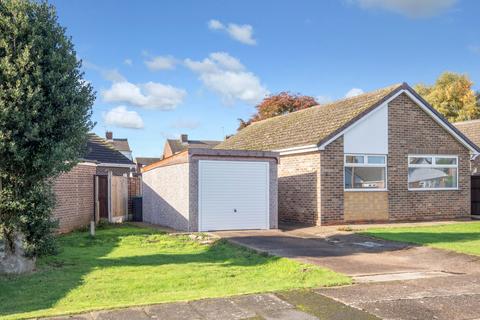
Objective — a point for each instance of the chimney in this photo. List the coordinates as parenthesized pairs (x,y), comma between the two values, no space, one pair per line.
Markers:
(184,138)
(109,135)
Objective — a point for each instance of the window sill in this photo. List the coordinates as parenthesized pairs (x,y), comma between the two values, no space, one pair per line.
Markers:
(434,189)
(365,190)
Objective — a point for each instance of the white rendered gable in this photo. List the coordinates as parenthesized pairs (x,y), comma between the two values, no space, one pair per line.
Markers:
(369,134)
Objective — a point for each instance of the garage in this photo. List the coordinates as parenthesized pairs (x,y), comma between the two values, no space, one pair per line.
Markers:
(233,195)
(208,190)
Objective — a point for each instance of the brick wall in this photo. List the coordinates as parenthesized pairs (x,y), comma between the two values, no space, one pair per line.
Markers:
(412,131)
(74,192)
(365,206)
(331,197)
(298,188)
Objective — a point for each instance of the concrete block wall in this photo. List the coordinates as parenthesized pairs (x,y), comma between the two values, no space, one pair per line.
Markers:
(166,196)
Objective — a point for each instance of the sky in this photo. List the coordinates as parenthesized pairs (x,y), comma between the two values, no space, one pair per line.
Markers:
(163,68)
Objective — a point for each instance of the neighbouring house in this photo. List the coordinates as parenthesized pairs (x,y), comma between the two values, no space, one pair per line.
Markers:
(121,144)
(107,157)
(145,161)
(90,181)
(471,129)
(385,155)
(174,146)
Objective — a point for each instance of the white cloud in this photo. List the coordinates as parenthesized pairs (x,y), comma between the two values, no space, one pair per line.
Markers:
(161,63)
(226,76)
(150,95)
(215,25)
(410,8)
(242,33)
(353,92)
(185,124)
(122,117)
(128,62)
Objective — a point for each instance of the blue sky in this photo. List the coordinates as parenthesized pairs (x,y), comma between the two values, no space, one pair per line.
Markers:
(161,68)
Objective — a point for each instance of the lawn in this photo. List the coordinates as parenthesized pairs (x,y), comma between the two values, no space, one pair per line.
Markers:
(126,265)
(461,237)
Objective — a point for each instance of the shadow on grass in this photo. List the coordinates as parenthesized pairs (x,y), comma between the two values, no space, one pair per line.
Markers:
(59,275)
(425,237)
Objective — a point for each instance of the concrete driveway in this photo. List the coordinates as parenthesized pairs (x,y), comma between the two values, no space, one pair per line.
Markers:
(393,280)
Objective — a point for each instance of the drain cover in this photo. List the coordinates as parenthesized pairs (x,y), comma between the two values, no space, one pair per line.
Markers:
(369,244)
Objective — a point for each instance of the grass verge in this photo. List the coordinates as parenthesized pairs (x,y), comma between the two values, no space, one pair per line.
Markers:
(125,265)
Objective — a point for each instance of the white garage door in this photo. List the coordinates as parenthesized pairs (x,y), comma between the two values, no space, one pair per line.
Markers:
(233,195)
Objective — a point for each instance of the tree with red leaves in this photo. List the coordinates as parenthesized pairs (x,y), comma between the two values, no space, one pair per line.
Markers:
(279,104)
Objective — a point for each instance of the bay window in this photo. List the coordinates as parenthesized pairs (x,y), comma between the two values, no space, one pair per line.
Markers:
(429,172)
(365,172)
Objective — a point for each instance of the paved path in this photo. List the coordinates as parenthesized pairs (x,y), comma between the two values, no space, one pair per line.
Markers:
(394,280)
(282,306)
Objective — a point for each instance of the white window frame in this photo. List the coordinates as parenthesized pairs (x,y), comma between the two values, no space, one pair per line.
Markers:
(433,165)
(378,165)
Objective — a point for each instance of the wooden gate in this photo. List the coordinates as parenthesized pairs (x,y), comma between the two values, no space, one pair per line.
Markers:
(102,196)
(475,195)
(111,197)
(119,198)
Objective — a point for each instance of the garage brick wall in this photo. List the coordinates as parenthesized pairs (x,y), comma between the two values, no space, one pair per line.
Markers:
(166,196)
(74,193)
(298,188)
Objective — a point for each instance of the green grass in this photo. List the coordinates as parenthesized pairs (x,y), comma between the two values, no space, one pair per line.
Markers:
(461,237)
(127,265)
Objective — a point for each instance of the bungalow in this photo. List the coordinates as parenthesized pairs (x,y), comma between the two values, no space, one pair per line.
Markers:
(381,156)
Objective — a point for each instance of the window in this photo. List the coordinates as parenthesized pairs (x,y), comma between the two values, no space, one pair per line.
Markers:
(432,172)
(365,172)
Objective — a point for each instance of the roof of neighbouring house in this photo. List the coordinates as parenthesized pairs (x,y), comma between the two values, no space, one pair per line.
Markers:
(120,144)
(177,146)
(146,160)
(471,129)
(103,151)
(319,124)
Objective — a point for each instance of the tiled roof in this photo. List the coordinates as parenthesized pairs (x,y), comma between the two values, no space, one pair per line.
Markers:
(120,144)
(146,160)
(177,146)
(98,149)
(471,129)
(309,126)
